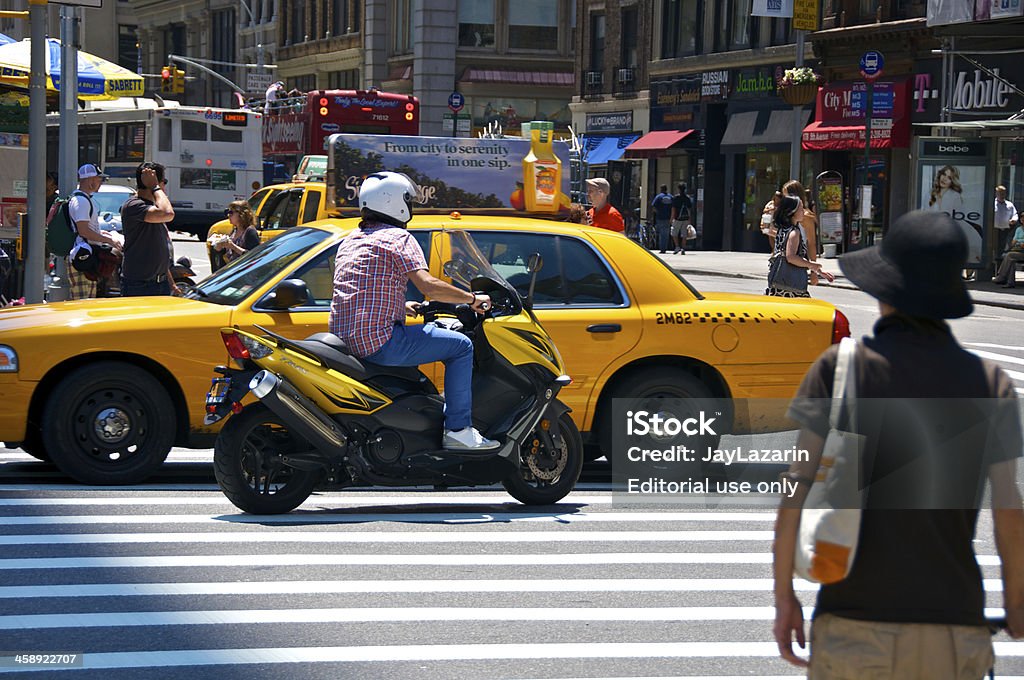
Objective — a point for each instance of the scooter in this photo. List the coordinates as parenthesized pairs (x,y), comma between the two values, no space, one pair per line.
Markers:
(183,275)
(327,419)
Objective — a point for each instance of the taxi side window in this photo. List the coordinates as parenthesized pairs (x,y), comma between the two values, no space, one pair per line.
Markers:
(572,273)
(286,213)
(412,293)
(312,207)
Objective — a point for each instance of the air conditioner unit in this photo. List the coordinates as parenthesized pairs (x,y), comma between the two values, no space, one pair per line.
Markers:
(625,75)
(594,77)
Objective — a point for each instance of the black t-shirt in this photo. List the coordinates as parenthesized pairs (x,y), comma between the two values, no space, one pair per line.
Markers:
(147,247)
(682,205)
(921,398)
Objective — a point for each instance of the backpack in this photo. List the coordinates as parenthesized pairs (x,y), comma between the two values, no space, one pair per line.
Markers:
(61,230)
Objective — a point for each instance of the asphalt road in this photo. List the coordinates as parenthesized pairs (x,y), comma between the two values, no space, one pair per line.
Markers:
(168,580)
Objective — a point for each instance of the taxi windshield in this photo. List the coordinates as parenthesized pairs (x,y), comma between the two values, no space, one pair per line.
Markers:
(233,283)
(470,270)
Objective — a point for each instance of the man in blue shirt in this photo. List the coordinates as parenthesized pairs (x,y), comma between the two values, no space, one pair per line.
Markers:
(662,206)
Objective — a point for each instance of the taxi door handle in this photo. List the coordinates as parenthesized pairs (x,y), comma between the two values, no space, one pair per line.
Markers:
(604,328)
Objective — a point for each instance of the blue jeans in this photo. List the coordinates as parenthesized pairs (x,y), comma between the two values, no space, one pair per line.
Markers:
(663,228)
(417,345)
(130,288)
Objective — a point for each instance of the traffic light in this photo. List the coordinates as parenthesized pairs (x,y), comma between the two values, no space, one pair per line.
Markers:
(178,80)
(166,79)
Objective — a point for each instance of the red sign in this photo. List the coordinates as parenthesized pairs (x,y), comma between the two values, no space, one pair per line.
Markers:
(842,109)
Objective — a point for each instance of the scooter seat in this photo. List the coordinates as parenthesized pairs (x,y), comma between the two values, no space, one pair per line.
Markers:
(338,356)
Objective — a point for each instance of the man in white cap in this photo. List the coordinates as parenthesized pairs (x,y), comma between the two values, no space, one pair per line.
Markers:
(602,214)
(273,92)
(86,218)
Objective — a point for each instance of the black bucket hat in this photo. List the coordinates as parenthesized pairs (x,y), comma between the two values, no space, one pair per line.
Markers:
(918,267)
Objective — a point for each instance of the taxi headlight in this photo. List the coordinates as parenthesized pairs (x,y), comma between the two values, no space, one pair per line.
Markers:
(8,359)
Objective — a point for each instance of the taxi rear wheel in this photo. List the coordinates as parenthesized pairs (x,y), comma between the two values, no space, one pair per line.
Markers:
(647,387)
(108,423)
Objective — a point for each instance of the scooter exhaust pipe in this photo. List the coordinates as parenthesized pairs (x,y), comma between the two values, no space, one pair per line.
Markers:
(298,412)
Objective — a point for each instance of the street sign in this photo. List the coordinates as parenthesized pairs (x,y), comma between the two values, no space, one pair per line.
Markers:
(456,101)
(258,82)
(871,63)
(805,15)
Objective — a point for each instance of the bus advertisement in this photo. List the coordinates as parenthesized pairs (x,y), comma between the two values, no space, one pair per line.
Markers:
(298,126)
(213,156)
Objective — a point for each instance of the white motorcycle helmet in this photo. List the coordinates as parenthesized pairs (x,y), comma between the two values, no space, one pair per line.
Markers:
(388,196)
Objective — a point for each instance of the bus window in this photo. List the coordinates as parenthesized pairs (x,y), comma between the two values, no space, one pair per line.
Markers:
(221,135)
(126,142)
(163,134)
(193,130)
(312,207)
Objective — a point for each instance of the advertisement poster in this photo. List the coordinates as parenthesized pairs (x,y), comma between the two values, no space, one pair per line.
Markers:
(951,178)
(223,179)
(195,178)
(772,8)
(492,174)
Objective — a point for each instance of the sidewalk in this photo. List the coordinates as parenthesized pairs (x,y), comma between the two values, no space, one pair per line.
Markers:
(755,266)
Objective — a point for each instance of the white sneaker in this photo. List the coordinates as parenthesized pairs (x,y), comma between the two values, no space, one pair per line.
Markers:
(468,439)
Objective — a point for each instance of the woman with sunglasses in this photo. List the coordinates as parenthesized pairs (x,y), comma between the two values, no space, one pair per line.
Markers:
(243,235)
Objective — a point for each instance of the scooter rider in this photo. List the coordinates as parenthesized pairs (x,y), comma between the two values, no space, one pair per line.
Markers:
(373,267)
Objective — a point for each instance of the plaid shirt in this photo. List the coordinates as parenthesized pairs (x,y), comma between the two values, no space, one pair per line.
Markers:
(371,274)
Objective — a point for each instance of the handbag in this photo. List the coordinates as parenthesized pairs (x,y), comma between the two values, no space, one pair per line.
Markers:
(691,232)
(830,517)
(785,276)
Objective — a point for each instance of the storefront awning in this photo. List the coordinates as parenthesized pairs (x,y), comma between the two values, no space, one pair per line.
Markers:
(760,128)
(821,137)
(653,144)
(600,150)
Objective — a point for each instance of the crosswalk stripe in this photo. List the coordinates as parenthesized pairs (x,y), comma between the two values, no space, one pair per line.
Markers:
(468,652)
(383,560)
(221,617)
(1000,358)
(443,518)
(1012,348)
(672,585)
(467,536)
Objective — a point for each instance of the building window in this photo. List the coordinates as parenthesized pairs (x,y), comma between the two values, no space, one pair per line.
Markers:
(597,26)
(127,47)
(741,24)
(305,83)
(476,23)
(174,40)
(629,58)
(343,80)
(681,28)
(314,24)
(222,39)
(339,18)
(401,38)
(297,34)
(781,32)
(533,24)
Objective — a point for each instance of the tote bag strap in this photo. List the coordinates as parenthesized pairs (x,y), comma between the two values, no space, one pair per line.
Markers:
(844,382)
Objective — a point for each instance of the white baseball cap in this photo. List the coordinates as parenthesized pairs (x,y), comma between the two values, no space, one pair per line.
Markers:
(90,170)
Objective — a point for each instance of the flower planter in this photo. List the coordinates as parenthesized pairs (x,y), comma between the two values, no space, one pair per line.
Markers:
(799,95)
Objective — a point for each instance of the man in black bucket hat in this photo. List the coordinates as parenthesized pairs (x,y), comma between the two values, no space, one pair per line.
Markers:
(913,601)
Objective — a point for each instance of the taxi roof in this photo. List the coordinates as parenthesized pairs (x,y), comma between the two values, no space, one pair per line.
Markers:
(456,220)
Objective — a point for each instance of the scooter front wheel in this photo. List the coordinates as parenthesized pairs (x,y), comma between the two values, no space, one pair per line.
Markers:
(247,461)
(547,476)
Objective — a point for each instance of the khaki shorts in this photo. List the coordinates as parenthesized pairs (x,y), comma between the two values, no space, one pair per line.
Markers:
(847,649)
(678,229)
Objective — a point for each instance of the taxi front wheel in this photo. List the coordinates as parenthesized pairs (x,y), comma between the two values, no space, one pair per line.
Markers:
(108,423)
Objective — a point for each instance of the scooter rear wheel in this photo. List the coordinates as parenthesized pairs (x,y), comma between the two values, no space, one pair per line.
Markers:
(548,476)
(248,467)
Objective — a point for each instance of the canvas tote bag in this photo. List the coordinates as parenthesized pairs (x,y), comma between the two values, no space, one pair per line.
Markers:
(830,518)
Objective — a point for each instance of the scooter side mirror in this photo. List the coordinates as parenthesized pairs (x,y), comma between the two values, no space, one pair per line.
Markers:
(287,294)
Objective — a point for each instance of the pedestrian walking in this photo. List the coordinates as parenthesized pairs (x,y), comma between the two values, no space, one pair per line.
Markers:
(789,265)
(602,213)
(912,606)
(86,218)
(682,207)
(662,207)
(148,250)
(808,223)
(1006,219)
(768,218)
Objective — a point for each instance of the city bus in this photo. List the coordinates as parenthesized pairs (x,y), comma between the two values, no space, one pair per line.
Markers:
(213,156)
(299,126)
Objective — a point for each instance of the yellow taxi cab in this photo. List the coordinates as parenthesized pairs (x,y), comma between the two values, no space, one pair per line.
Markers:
(276,207)
(104,388)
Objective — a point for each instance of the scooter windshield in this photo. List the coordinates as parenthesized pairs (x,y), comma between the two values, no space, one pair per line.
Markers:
(469,269)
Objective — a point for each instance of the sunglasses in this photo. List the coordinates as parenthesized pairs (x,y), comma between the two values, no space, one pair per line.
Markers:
(229,212)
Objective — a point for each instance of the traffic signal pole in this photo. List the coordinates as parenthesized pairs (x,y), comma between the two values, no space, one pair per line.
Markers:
(35,257)
(67,171)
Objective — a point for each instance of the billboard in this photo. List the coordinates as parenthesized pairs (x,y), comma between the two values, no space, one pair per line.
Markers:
(492,175)
(952,177)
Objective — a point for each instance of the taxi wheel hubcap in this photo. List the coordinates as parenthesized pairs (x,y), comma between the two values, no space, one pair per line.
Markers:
(112,425)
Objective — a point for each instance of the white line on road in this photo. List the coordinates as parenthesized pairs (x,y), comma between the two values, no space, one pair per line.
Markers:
(443,518)
(227,617)
(404,560)
(989,345)
(490,537)
(483,652)
(621,585)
